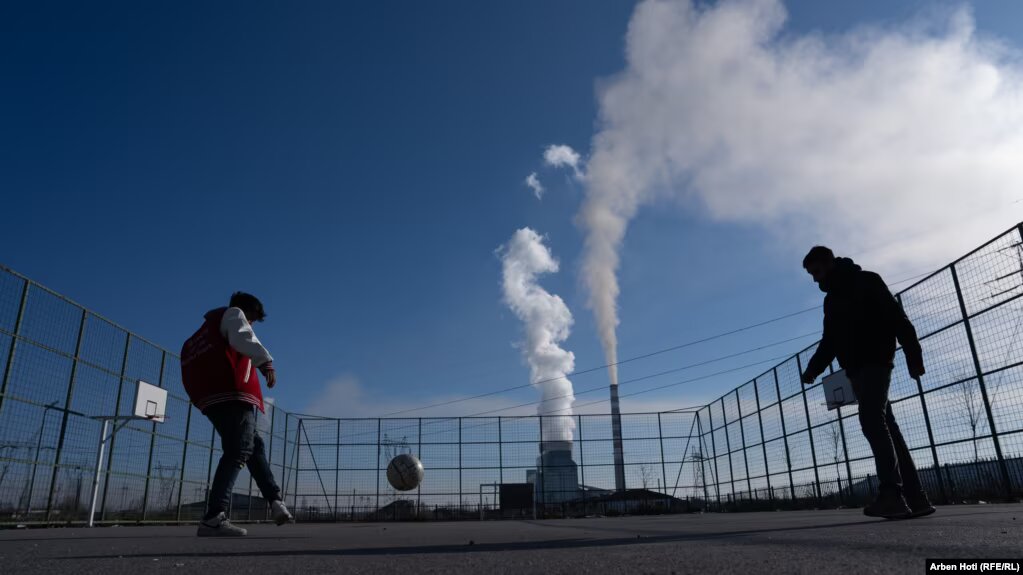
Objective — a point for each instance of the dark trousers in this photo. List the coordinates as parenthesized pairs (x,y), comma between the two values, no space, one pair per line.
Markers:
(235,422)
(895,470)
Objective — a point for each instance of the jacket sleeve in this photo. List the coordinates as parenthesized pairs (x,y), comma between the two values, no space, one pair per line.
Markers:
(238,332)
(824,354)
(892,310)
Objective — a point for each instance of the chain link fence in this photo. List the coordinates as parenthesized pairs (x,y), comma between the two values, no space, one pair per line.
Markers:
(769,443)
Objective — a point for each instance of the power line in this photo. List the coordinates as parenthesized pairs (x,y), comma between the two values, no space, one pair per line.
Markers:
(634,380)
(641,378)
(603,387)
(605,366)
(631,359)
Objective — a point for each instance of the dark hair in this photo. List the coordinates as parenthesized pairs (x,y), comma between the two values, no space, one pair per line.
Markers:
(818,255)
(249,304)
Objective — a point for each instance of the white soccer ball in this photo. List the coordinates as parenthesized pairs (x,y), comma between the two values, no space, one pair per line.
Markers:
(405,472)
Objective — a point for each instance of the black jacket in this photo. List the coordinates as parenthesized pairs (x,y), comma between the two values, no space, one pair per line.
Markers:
(862,320)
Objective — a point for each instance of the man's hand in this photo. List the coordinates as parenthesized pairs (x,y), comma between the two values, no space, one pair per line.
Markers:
(916,368)
(807,379)
(267,369)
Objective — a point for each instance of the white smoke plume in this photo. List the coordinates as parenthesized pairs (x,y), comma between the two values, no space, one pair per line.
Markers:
(877,139)
(547,323)
(560,155)
(534,184)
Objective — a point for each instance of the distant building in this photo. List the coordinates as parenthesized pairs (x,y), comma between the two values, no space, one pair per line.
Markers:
(556,479)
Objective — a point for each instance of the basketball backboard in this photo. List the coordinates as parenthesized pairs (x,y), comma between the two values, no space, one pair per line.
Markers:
(150,402)
(838,390)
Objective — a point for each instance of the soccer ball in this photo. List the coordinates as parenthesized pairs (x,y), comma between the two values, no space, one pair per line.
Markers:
(405,472)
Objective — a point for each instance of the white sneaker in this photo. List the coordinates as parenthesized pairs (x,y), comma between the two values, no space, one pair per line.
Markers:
(279,512)
(220,526)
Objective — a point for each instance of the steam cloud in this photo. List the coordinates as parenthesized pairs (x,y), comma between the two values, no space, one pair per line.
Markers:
(534,184)
(560,155)
(879,137)
(547,324)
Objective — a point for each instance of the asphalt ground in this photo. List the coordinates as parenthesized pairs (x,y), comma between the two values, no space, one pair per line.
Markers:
(818,542)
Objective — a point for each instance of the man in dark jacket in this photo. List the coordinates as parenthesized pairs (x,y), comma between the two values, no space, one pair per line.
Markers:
(862,321)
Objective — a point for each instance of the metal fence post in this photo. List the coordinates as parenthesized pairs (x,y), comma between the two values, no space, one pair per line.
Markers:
(152,444)
(540,475)
(500,451)
(459,467)
(1006,478)
(784,432)
(703,458)
(270,451)
(63,420)
(763,442)
(14,344)
(742,436)
(728,450)
(930,430)
(209,470)
(845,450)
(714,450)
(419,454)
(337,468)
(113,438)
(582,467)
(660,438)
(184,460)
(284,455)
(298,459)
(376,510)
(809,431)
(845,453)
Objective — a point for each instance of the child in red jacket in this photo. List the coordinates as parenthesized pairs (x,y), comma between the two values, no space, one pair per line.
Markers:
(218,370)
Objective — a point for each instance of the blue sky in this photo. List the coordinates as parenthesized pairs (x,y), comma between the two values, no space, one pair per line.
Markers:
(357,165)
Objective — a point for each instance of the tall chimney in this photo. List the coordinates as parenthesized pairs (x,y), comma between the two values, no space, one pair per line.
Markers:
(616,432)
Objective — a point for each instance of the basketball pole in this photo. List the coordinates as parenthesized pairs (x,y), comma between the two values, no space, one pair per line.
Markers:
(150,401)
(120,421)
(99,470)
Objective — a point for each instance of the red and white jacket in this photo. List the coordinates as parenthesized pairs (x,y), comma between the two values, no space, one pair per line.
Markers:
(219,361)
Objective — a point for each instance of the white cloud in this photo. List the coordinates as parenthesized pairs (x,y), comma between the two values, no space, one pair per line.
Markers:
(534,184)
(560,155)
(908,138)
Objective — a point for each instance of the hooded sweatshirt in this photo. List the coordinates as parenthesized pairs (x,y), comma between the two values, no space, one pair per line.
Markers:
(862,321)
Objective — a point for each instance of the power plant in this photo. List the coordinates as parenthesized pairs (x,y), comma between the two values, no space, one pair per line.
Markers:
(557,475)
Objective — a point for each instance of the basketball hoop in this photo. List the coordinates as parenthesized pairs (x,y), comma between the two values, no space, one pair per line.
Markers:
(150,405)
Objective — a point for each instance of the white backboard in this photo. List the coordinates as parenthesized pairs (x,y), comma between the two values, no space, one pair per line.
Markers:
(838,390)
(150,402)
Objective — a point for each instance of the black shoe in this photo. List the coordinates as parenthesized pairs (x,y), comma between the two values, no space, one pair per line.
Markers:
(889,507)
(920,506)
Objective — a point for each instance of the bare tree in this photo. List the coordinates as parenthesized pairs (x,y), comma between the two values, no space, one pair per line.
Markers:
(645,474)
(834,437)
(972,403)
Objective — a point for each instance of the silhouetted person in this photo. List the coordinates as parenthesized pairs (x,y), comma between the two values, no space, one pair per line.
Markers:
(218,370)
(862,321)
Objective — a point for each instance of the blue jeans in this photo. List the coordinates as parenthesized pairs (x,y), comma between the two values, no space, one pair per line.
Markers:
(235,422)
